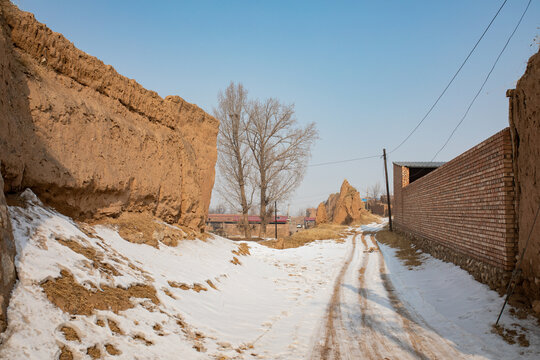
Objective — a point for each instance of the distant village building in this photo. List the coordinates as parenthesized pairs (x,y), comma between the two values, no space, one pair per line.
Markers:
(309,222)
(378,206)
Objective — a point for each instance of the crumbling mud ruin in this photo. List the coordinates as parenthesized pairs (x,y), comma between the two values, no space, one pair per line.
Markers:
(343,208)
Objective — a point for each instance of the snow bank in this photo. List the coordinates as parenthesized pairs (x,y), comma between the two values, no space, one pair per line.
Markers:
(266,306)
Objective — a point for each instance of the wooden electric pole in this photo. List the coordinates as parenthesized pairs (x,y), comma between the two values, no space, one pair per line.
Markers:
(275,217)
(387,191)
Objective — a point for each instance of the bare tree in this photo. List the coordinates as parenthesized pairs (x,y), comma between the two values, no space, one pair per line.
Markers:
(234,164)
(280,151)
(218,209)
(374,191)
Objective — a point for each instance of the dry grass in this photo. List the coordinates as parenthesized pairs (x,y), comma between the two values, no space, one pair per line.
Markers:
(406,252)
(301,238)
(169,293)
(178,285)
(112,350)
(70,334)
(366,218)
(142,228)
(198,287)
(142,339)
(65,354)
(195,287)
(211,284)
(75,299)
(511,336)
(94,352)
(90,253)
(243,250)
(113,325)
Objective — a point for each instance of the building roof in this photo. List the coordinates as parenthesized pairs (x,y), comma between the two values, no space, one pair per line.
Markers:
(420,164)
(237,217)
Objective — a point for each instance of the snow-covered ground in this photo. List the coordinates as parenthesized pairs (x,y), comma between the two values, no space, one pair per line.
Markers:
(270,304)
(266,307)
(459,308)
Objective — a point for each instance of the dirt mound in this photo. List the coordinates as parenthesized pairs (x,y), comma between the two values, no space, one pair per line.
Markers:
(321,217)
(7,254)
(344,208)
(91,142)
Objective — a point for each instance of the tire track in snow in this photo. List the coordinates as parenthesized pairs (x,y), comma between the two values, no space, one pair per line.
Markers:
(370,352)
(425,342)
(380,326)
(330,347)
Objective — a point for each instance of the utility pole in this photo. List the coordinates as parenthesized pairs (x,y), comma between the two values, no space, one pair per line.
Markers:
(387,191)
(275,217)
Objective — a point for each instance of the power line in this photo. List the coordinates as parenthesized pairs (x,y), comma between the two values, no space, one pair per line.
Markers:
(485,80)
(310,196)
(451,80)
(432,106)
(344,161)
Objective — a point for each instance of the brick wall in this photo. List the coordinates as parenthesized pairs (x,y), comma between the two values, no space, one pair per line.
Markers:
(466,205)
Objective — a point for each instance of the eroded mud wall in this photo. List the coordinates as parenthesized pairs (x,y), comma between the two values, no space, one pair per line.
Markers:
(525,128)
(92,142)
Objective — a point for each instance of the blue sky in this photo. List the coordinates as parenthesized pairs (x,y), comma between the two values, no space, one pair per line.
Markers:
(364,71)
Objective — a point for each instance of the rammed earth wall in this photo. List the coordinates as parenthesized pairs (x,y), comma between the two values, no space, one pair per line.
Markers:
(464,210)
(524,114)
(91,142)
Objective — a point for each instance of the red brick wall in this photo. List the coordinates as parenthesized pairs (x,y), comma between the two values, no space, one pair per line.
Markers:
(466,205)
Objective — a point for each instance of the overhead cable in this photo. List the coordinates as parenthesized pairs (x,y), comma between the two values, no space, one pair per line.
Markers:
(451,80)
(485,81)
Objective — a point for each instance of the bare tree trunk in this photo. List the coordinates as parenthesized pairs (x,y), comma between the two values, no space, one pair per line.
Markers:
(262,213)
(245,210)
(241,177)
(262,210)
(234,160)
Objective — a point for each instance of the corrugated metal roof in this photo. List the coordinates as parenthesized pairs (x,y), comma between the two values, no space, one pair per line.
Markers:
(420,164)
